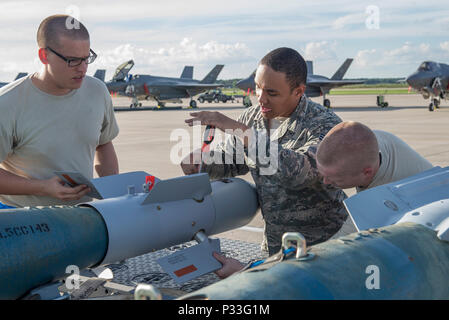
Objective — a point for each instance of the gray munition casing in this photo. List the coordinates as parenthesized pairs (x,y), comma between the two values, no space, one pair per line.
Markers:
(37,244)
(173,212)
(400,252)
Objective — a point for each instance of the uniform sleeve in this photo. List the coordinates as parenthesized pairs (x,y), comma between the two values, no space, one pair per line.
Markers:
(109,129)
(228,159)
(293,167)
(297,168)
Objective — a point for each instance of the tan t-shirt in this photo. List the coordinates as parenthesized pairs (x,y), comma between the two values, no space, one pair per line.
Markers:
(399,161)
(42,133)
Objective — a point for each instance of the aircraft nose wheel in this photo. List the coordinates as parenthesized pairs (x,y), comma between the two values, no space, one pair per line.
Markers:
(135,105)
(327,103)
(193,104)
(431,107)
(436,103)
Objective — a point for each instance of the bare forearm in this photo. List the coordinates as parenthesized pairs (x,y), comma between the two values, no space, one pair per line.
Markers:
(106,162)
(13,184)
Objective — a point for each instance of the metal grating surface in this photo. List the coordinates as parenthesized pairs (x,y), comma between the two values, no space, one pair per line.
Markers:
(145,269)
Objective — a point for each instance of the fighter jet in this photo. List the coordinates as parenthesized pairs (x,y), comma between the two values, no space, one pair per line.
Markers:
(432,81)
(316,85)
(20,75)
(161,88)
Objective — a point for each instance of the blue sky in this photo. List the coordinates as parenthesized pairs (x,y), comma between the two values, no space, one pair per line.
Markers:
(163,36)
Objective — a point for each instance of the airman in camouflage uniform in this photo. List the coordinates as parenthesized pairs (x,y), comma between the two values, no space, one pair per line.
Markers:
(294,199)
(291,193)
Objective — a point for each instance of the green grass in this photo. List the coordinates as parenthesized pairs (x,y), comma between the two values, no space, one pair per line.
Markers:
(232,92)
(376,91)
(377,85)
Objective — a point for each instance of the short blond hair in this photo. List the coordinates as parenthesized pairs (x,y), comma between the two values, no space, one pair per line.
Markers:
(54,27)
(349,145)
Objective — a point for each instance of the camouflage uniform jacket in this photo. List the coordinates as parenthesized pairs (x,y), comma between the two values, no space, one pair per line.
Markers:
(292,197)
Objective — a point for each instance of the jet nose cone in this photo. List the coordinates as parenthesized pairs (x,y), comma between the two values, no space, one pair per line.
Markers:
(413,80)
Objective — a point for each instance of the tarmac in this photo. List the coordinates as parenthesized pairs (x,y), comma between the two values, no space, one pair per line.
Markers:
(149,138)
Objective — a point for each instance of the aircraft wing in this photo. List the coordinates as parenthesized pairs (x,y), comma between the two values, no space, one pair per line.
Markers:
(173,88)
(195,85)
(332,83)
(195,88)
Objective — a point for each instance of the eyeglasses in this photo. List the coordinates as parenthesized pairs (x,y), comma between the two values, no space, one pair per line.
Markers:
(74,62)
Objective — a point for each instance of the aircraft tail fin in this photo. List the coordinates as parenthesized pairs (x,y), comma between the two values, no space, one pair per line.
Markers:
(248,83)
(100,74)
(253,74)
(187,73)
(20,75)
(309,67)
(213,74)
(342,70)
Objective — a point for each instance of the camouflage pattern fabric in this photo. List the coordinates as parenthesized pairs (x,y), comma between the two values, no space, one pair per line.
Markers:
(293,197)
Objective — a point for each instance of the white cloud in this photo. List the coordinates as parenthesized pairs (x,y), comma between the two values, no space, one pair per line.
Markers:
(350,19)
(321,50)
(162,36)
(424,48)
(170,60)
(400,61)
(445,46)
(405,49)
(409,53)
(406,54)
(365,57)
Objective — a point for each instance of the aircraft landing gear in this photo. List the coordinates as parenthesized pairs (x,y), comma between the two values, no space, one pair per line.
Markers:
(435,103)
(193,104)
(247,102)
(160,105)
(327,103)
(135,103)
